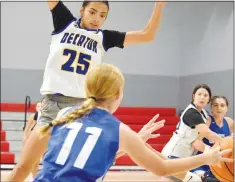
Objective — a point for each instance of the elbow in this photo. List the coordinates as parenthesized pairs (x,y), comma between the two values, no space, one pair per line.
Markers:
(147,36)
(150,39)
(162,171)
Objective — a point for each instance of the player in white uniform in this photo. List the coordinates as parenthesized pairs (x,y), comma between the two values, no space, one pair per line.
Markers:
(77,45)
(191,127)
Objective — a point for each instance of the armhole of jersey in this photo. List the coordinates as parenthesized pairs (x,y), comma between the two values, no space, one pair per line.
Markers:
(209,120)
(55,33)
(103,41)
(103,49)
(226,120)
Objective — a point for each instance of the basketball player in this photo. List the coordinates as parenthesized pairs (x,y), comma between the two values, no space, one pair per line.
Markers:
(84,140)
(29,128)
(192,126)
(79,44)
(31,122)
(220,124)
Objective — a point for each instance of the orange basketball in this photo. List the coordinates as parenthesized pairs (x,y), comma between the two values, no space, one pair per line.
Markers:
(225,173)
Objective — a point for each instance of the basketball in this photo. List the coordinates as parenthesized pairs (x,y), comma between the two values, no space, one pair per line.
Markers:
(226,172)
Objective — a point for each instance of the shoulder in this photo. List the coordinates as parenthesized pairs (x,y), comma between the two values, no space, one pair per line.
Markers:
(192,117)
(191,112)
(229,120)
(125,130)
(209,120)
(111,118)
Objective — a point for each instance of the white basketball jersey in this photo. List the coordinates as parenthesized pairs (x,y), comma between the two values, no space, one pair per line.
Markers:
(180,144)
(72,53)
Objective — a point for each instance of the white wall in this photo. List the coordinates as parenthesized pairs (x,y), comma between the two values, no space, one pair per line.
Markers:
(207,51)
(207,39)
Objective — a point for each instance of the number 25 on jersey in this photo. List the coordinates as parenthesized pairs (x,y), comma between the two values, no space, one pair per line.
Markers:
(82,65)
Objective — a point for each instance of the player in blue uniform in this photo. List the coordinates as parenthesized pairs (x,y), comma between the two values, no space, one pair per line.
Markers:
(84,141)
(220,124)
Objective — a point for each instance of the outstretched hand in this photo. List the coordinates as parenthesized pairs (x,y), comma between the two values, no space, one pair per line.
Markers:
(147,131)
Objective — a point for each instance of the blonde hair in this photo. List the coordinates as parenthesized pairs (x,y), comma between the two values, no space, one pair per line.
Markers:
(102,83)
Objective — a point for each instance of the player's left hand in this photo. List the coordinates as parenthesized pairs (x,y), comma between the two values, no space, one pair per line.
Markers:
(147,131)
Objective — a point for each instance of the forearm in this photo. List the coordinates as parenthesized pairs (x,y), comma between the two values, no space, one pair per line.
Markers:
(176,166)
(122,153)
(205,132)
(156,152)
(212,136)
(155,20)
(19,173)
(200,146)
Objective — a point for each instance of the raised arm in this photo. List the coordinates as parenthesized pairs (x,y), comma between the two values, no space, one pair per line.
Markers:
(149,32)
(52,4)
(61,15)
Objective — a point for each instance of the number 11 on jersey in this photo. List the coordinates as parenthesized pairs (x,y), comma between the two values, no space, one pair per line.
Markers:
(87,148)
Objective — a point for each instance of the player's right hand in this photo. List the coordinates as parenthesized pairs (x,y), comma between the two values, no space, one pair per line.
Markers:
(215,156)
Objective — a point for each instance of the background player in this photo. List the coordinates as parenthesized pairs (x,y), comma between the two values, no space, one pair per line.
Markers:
(32,121)
(192,123)
(218,123)
(84,141)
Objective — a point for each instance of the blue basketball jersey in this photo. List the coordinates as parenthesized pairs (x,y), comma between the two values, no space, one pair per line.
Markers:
(223,131)
(81,151)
